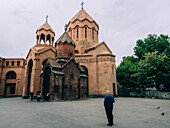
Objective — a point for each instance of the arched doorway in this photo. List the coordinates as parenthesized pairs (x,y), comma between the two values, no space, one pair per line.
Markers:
(10,83)
(46,81)
(87,82)
(30,65)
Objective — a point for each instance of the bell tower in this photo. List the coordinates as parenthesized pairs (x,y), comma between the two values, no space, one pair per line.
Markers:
(45,34)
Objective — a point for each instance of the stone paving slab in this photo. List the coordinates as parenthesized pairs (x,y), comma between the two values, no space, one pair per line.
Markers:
(128,113)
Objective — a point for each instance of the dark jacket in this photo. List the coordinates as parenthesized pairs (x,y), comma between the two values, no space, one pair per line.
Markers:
(108,100)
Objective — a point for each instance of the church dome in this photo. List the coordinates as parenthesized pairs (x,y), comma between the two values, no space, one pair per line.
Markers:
(46,34)
(83,29)
(46,27)
(65,38)
(65,46)
(81,16)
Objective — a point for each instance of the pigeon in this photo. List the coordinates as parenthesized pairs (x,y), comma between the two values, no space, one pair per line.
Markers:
(163,114)
(158,107)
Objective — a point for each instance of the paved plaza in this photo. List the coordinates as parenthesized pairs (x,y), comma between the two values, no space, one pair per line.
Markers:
(128,113)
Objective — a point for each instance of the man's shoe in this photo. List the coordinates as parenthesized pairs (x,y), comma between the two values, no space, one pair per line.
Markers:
(109,124)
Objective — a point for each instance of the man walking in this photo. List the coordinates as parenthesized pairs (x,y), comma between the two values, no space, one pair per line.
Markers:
(108,104)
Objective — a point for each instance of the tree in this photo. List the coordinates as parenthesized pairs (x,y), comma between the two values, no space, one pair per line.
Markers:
(150,68)
(126,71)
(154,70)
(151,44)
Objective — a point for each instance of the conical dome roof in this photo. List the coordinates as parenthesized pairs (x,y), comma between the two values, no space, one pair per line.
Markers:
(45,26)
(65,38)
(82,15)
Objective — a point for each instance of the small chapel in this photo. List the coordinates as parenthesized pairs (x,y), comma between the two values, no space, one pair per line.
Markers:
(75,66)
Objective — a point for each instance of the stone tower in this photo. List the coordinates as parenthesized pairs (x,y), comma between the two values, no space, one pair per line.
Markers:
(36,56)
(83,30)
(45,33)
(65,46)
(96,58)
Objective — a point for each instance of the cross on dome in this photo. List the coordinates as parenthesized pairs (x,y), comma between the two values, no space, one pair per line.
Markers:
(82,4)
(65,27)
(47,18)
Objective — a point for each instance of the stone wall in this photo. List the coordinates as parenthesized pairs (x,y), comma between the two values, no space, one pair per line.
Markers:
(158,94)
(71,75)
(149,94)
(16,65)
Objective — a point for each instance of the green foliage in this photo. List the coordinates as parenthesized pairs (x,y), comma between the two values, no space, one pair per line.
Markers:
(150,68)
(154,70)
(126,72)
(151,44)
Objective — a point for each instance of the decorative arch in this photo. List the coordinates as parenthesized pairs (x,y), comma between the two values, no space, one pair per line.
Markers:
(29,73)
(11,75)
(46,81)
(85,31)
(93,29)
(77,31)
(10,83)
(42,38)
(44,62)
(48,39)
(86,72)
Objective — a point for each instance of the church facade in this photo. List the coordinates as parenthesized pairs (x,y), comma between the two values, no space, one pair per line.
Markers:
(96,57)
(75,66)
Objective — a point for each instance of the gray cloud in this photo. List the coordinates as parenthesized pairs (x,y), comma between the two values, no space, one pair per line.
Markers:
(121,22)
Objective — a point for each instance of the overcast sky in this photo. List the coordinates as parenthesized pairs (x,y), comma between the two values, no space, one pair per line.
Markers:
(121,22)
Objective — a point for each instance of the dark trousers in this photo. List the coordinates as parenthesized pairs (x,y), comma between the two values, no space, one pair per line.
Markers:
(31,98)
(38,99)
(47,98)
(109,114)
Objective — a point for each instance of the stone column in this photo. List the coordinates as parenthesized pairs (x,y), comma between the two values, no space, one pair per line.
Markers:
(39,40)
(45,39)
(36,41)
(51,43)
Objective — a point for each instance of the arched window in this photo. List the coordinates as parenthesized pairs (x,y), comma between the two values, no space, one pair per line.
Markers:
(18,63)
(11,75)
(77,32)
(93,33)
(12,63)
(52,39)
(85,32)
(7,63)
(48,39)
(42,38)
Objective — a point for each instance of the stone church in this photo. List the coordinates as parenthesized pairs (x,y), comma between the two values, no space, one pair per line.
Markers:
(75,66)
